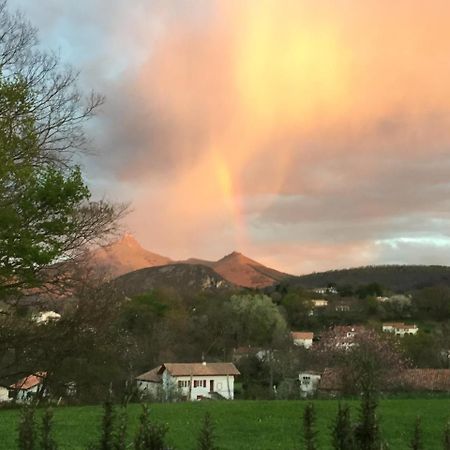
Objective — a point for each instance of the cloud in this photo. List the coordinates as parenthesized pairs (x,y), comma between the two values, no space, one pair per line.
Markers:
(320,129)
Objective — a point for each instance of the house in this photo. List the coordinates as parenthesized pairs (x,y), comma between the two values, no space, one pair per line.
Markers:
(302,338)
(26,388)
(399,328)
(45,317)
(319,303)
(149,384)
(308,382)
(191,381)
(4,394)
(325,290)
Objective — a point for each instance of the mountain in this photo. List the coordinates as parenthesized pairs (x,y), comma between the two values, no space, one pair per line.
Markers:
(127,255)
(185,278)
(243,271)
(123,256)
(396,278)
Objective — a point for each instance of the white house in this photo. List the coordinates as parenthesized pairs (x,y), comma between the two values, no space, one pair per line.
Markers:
(46,316)
(302,338)
(399,328)
(26,388)
(192,381)
(309,382)
(325,290)
(4,394)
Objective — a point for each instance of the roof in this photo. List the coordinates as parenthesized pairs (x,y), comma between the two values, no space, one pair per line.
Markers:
(29,382)
(151,376)
(204,369)
(414,379)
(427,379)
(331,380)
(399,325)
(302,335)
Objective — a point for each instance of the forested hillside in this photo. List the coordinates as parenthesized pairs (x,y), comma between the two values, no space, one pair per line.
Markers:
(395,278)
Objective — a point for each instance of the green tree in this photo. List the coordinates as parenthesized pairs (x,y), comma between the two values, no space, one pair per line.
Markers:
(309,430)
(342,430)
(206,439)
(417,440)
(46,215)
(256,320)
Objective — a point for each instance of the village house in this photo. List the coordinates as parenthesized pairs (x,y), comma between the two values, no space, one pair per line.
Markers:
(309,382)
(325,290)
(26,388)
(302,338)
(399,328)
(45,317)
(190,381)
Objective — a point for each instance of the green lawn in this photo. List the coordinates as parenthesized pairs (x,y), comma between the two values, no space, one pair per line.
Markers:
(256,425)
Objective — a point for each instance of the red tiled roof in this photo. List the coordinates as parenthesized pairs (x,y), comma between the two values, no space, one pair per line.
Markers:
(196,369)
(427,379)
(437,380)
(29,382)
(302,335)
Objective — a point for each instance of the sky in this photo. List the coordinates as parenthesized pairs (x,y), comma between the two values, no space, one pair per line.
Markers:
(307,135)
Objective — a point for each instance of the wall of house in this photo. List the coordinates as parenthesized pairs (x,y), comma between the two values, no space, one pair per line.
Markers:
(4,395)
(195,387)
(149,389)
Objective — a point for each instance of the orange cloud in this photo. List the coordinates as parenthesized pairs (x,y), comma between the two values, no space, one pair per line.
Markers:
(262,99)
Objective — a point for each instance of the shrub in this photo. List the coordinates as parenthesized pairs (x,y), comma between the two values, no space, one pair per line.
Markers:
(206,437)
(26,436)
(47,441)
(342,431)
(149,436)
(309,432)
(416,441)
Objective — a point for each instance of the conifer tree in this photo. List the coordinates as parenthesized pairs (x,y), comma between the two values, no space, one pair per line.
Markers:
(26,437)
(309,432)
(206,437)
(47,441)
(416,441)
(342,431)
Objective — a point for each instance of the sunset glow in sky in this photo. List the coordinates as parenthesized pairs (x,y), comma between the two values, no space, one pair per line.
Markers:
(307,135)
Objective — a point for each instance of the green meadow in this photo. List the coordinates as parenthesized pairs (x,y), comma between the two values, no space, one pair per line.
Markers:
(246,425)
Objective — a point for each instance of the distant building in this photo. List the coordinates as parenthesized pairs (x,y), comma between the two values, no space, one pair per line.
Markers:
(325,290)
(320,303)
(309,382)
(26,388)
(302,338)
(46,317)
(191,381)
(399,328)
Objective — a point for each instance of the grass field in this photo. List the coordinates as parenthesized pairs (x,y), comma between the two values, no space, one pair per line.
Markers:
(255,425)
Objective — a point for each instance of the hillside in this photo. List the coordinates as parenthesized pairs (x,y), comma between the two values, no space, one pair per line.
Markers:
(123,256)
(396,278)
(184,278)
(127,255)
(243,271)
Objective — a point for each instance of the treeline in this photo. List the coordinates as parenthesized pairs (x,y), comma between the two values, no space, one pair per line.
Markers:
(398,278)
